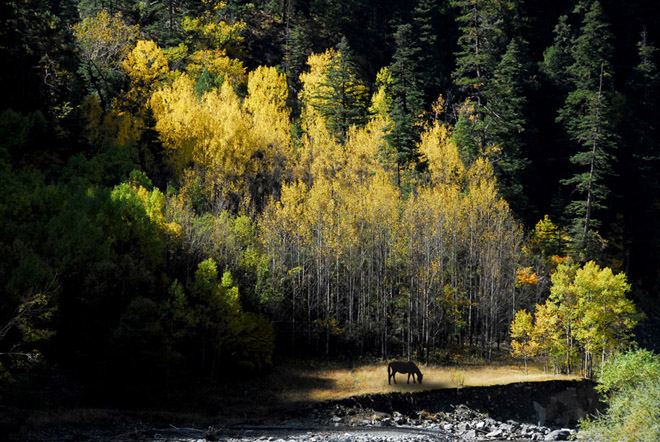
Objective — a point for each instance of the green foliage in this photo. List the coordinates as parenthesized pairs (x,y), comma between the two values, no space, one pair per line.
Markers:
(208,324)
(482,40)
(633,382)
(587,116)
(557,58)
(628,371)
(590,310)
(507,119)
(407,96)
(342,99)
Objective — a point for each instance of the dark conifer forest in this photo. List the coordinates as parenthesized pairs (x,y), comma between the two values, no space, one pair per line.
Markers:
(191,187)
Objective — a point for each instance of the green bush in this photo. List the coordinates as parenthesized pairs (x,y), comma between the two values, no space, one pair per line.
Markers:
(632,381)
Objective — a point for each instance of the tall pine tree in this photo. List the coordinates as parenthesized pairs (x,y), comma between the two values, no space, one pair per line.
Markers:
(587,117)
(506,118)
(407,96)
(342,100)
(482,41)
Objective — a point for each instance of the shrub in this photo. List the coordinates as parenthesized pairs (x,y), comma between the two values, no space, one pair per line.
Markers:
(632,381)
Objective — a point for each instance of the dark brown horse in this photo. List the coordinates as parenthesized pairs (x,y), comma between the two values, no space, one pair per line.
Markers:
(403,367)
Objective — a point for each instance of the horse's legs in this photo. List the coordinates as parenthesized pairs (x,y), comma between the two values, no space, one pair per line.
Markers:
(409,378)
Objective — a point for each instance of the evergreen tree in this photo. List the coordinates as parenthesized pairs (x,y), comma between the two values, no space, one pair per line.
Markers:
(506,117)
(342,99)
(558,58)
(407,95)
(481,43)
(640,167)
(426,39)
(588,119)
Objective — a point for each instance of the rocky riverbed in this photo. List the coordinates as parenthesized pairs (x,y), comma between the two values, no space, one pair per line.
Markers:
(547,411)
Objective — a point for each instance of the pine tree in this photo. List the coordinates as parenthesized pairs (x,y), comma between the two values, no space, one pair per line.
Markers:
(342,99)
(426,38)
(407,96)
(639,165)
(506,118)
(588,120)
(558,58)
(481,42)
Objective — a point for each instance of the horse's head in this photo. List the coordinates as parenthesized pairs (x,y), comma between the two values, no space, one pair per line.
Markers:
(420,376)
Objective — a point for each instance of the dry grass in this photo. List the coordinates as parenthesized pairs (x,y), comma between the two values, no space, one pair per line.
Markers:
(285,388)
(323,383)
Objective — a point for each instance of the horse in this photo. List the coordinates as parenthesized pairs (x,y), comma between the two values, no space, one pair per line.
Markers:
(403,367)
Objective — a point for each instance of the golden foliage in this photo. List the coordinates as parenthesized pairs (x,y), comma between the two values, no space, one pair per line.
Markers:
(146,63)
(526,276)
(227,142)
(441,154)
(114,127)
(212,31)
(105,40)
(218,65)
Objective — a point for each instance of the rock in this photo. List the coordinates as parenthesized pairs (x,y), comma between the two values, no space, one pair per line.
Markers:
(481,425)
(562,434)
(540,413)
(507,428)
(448,427)
(495,433)
(471,434)
(463,426)
(335,419)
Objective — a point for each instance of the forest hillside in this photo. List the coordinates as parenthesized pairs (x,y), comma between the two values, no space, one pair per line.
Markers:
(191,187)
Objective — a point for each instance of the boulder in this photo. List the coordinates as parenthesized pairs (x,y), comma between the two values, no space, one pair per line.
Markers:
(540,413)
(495,433)
(563,434)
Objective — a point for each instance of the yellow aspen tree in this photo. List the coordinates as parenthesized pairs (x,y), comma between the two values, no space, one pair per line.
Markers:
(605,316)
(546,237)
(145,64)
(176,109)
(361,152)
(563,296)
(522,329)
(494,238)
(548,334)
(266,104)
(216,64)
(381,101)
(441,154)
(104,42)
(212,29)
